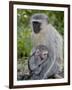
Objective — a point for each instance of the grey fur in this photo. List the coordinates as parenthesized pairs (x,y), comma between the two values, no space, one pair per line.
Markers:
(52,39)
(42,69)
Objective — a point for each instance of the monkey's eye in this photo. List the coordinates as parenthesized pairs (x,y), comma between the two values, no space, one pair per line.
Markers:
(45,54)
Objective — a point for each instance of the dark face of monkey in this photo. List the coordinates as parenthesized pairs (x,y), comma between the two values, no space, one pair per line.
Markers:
(37,20)
(36,26)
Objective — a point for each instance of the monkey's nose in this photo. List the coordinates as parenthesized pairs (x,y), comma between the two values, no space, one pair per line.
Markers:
(41,57)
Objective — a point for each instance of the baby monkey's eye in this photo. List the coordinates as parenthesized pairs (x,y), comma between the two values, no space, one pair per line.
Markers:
(45,52)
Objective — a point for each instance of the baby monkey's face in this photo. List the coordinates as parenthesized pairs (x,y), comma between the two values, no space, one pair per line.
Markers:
(43,54)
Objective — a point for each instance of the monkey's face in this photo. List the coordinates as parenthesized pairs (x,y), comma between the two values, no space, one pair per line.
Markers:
(42,54)
(37,21)
(36,26)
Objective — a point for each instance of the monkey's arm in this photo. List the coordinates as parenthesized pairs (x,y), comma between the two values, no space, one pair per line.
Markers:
(34,69)
(32,64)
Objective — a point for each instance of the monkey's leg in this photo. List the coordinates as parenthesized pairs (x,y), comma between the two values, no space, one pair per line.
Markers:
(57,76)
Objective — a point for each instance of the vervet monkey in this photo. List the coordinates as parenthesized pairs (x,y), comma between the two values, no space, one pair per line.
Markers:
(44,33)
(41,65)
(35,62)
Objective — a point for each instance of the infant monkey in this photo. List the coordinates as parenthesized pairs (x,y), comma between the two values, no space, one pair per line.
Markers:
(42,65)
(41,53)
(35,62)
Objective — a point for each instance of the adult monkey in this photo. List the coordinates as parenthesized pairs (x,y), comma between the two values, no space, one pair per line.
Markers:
(45,34)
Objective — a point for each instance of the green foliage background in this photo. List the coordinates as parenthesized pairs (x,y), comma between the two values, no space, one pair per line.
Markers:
(24,44)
